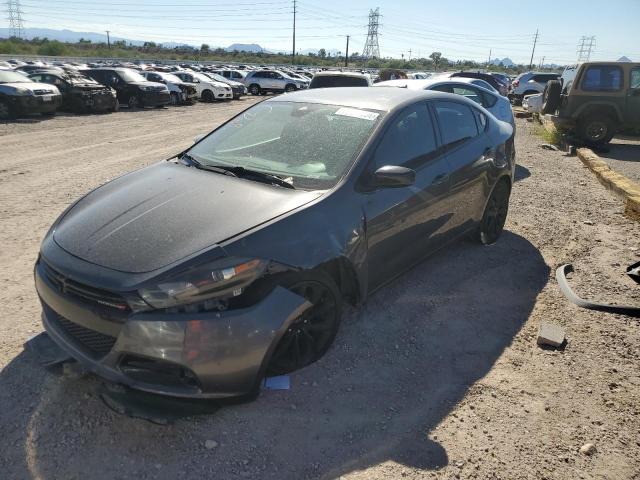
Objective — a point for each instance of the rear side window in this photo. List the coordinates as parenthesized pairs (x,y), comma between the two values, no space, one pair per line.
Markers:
(409,140)
(602,78)
(635,78)
(457,122)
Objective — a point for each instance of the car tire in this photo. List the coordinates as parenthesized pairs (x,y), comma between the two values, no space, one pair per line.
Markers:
(495,215)
(175,100)
(551,96)
(48,114)
(6,111)
(133,102)
(254,89)
(596,129)
(290,88)
(207,96)
(309,336)
(116,107)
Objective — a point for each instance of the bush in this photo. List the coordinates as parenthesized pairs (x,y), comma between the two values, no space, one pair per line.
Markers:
(52,49)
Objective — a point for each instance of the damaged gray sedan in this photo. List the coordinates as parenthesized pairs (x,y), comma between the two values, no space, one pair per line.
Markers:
(199,275)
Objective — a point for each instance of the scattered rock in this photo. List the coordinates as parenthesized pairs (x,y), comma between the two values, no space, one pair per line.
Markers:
(551,335)
(73,370)
(210,444)
(588,449)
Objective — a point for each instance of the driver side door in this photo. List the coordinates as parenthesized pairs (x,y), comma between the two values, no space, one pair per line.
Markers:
(405,224)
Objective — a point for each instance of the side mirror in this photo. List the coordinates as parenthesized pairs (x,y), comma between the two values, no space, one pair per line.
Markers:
(199,137)
(391,176)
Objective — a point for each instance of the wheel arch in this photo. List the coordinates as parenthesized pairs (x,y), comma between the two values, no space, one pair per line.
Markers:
(599,108)
(343,273)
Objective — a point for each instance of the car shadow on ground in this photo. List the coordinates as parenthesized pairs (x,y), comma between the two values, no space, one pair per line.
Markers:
(399,365)
(521,173)
(625,152)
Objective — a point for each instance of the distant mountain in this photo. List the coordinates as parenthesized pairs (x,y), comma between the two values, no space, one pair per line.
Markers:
(624,59)
(66,35)
(507,62)
(245,47)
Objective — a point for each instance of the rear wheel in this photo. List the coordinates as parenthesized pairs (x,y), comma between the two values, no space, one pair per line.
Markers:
(596,129)
(311,334)
(207,96)
(495,215)
(255,89)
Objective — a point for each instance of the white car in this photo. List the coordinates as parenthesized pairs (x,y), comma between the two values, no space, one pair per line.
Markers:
(208,89)
(495,103)
(529,83)
(181,91)
(533,103)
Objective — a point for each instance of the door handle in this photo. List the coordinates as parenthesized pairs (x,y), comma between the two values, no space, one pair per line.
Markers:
(440,179)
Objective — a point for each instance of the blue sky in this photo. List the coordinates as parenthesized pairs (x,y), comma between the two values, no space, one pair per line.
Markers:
(460,29)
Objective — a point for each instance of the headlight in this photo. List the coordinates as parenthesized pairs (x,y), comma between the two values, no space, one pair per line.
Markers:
(23,92)
(222,279)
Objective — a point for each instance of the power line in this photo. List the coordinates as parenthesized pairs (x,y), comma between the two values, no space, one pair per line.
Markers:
(372,46)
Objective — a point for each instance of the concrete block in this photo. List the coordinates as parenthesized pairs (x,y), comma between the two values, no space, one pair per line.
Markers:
(550,334)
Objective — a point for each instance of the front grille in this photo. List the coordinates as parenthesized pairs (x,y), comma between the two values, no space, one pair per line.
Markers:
(83,292)
(42,92)
(94,343)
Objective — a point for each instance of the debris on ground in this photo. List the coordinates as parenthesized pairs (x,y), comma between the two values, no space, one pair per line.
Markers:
(588,449)
(551,335)
(548,146)
(210,444)
(281,382)
(73,370)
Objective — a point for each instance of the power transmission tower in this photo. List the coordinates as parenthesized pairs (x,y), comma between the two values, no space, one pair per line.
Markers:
(586,45)
(371,46)
(15,18)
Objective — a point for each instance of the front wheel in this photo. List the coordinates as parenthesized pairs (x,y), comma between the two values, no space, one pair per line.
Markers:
(309,336)
(175,100)
(596,130)
(495,215)
(255,89)
(133,102)
(207,96)
(289,88)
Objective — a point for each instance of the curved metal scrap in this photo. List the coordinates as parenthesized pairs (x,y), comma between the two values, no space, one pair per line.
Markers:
(561,277)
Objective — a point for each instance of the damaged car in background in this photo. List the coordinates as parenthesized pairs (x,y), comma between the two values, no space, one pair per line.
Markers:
(20,95)
(80,94)
(182,93)
(199,275)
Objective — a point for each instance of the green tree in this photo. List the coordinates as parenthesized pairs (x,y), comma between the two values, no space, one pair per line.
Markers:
(52,48)
(322,53)
(436,56)
(204,48)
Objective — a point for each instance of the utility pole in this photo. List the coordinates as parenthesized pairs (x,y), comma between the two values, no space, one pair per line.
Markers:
(541,62)
(346,57)
(409,54)
(489,61)
(295,10)
(534,49)
(108,40)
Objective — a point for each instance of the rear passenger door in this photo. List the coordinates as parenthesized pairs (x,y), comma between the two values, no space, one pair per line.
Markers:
(633,98)
(469,153)
(404,224)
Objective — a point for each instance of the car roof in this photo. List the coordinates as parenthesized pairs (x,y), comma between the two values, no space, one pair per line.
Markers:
(330,73)
(383,99)
(423,83)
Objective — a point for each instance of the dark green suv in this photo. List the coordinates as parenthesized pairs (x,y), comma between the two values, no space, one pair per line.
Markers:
(595,100)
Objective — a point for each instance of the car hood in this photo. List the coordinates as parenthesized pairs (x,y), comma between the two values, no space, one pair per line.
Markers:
(149,84)
(156,216)
(32,86)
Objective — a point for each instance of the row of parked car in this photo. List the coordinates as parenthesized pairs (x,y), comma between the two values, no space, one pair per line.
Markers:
(44,88)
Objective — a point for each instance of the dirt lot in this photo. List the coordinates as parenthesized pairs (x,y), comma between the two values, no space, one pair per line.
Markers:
(623,156)
(438,376)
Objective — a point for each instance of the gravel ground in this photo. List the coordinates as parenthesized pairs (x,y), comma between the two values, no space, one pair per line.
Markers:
(624,156)
(437,376)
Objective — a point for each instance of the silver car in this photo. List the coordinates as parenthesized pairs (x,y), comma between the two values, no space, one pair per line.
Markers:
(260,82)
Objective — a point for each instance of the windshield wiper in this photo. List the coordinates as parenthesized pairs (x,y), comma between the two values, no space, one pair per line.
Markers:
(192,162)
(259,176)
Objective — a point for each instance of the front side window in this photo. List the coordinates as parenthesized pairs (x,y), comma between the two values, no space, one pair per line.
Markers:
(602,78)
(409,139)
(457,122)
(635,78)
(311,143)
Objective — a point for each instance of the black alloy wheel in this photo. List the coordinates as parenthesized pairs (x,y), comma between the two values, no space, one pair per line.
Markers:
(309,336)
(175,100)
(133,102)
(596,129)
(289,88)
(495,215)
(207,96)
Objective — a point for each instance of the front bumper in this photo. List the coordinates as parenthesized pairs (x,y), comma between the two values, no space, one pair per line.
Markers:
(29,104)
(223,94)
(154,99)
(93,101)
(196,355)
